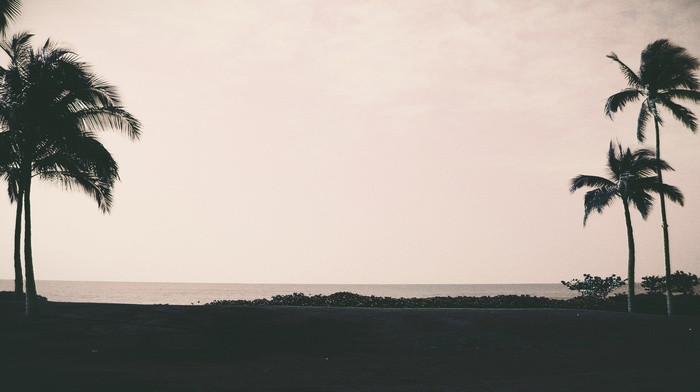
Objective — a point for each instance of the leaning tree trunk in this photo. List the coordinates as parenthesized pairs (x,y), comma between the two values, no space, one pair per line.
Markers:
(631,260)
(664,226)
(32,302)
(19,281)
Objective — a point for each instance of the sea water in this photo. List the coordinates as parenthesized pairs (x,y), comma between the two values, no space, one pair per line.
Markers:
(201,293)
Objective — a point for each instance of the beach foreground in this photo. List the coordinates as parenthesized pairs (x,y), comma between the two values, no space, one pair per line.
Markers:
(104,347)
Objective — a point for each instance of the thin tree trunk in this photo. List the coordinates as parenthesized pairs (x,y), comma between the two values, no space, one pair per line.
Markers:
(19,281)
(664,226)
(32,302)
(631,260)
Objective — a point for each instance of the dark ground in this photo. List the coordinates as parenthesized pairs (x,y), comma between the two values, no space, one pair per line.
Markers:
(102,347)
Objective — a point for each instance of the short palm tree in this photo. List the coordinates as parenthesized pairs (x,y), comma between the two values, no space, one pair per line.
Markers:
(666,74)
(50,106)
(632,178)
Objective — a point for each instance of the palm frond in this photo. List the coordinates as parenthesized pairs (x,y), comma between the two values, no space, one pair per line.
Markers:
(87,182)
(13,191)
(681,113)
(691,95)
(82,87)
(618,101)
(87,156)
(642,121)
(643,161)
(109,118)
(642,202)
(682,80)
(590,181)
(632,78)
(16,45)
(93,155)
(597,199)
(615,161)
(671,192)
(9,11)
(90,174)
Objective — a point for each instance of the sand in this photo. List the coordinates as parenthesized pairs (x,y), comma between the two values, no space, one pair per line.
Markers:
(103,347)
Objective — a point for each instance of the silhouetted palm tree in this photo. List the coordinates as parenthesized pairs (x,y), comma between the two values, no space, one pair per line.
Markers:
(66,168)
(50,106)
(632,178)
(666,73)
(9,11)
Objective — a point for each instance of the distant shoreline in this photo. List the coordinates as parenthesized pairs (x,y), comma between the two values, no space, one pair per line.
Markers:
(645,303)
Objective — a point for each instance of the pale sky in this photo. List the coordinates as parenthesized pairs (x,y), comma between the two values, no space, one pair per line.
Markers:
(360,142)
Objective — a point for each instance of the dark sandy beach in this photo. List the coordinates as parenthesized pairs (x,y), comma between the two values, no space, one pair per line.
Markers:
(101,347)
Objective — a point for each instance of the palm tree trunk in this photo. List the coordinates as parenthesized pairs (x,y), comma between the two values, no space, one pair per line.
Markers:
(664,226)
(631,260)
(32,302)
(19,281)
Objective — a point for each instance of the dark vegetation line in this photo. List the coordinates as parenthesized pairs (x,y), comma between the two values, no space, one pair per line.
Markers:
(646,303)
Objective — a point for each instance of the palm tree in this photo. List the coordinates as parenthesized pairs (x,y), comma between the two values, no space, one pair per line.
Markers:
(9,11)
(95,175)
(666,73)
(50,106)
(632,177)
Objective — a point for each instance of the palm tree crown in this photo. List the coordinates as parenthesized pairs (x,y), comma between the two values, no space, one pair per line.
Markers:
(666,73)
(631,178)
(50,107)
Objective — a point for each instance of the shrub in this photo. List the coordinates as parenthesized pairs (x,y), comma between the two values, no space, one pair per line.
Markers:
(654,284)
(595,287)
(681,282)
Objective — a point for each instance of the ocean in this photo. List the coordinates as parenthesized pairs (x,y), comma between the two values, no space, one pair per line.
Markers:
(201,293)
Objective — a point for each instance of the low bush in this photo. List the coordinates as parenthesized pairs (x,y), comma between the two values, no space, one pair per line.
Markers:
(681,282)
(595,287)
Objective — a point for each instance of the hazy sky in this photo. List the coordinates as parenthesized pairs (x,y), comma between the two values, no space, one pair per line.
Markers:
(360,141)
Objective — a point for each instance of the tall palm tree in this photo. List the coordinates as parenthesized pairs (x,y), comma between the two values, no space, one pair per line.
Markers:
(632,178)
(666,73)
(9,11)
(50,106)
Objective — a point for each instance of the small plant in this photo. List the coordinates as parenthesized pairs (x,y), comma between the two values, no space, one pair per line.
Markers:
(595,287)
(681,282)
